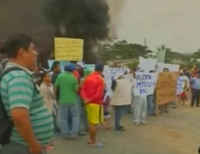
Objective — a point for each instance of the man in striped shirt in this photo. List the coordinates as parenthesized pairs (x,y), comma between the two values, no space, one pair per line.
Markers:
(33,124)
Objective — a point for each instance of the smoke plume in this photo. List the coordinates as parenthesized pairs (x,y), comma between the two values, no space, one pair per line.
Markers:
(116,7)
(86,19)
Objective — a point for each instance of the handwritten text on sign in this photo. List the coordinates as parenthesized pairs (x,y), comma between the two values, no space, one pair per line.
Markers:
(145,83)
(68,49)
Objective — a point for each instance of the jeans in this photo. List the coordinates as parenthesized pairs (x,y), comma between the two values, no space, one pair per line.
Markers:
(83,116)
(151,105)
(195,97)
(69,119)
(140,109)
(119,111)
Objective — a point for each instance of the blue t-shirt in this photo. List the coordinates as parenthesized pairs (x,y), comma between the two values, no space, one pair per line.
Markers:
(195,83)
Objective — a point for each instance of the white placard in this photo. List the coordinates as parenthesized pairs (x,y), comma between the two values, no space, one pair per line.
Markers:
(145,83)
(147,64)
(171,67)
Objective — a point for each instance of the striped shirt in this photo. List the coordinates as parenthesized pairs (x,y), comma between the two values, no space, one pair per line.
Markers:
(17,90)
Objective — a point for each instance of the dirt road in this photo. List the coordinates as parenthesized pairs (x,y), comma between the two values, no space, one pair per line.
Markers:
(177,132)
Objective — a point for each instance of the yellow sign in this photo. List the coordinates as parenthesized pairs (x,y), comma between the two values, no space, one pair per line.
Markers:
(68,49)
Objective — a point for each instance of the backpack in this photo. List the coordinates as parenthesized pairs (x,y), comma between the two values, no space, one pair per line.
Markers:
(5,122)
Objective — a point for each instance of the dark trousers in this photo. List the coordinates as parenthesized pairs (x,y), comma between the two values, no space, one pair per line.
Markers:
(14,148)
(195,97)
(151,106)
(119,111)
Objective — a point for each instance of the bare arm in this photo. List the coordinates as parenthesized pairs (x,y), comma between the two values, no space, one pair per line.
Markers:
(20,117)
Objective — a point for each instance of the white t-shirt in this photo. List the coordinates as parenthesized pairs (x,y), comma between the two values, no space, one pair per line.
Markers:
(187,81)
(181,83)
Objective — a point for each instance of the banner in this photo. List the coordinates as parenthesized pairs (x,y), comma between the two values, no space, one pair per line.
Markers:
(67,49)
(145,83)
(166,88)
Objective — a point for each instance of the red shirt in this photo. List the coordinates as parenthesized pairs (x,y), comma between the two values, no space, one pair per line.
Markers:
(92,88)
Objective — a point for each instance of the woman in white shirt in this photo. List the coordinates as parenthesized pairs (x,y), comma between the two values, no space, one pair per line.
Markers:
(47,91)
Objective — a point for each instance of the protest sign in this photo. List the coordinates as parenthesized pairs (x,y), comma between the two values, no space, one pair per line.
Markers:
(68,49)
(145,83)
(61,63)
(166,88)
(171,67)
(50,63)
(147,64)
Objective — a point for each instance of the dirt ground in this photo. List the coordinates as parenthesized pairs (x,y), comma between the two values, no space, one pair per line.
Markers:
(176,132)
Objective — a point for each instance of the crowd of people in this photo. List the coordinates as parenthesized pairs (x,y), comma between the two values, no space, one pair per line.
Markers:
(40,103)
(187,93)
(70,103)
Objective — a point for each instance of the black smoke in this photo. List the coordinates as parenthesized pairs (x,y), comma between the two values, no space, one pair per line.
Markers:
(86,19)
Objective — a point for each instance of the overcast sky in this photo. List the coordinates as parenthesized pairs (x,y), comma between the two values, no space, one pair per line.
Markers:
(174,23)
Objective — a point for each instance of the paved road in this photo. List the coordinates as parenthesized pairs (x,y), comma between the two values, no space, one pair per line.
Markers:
(177,132)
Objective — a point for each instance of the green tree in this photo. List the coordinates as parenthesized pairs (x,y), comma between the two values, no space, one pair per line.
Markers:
(196,54)
(123,50)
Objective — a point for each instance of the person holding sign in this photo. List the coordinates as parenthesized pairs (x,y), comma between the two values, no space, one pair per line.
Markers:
(140,97)
(151,104)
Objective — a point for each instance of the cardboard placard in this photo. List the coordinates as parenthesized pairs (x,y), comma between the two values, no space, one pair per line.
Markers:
(166,88)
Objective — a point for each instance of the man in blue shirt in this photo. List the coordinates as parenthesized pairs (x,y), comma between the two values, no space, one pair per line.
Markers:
(195,85)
